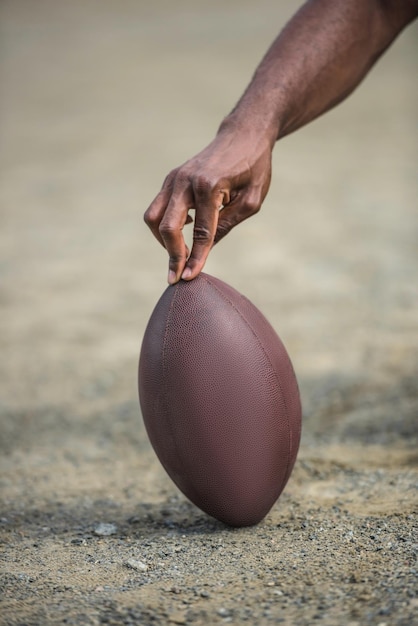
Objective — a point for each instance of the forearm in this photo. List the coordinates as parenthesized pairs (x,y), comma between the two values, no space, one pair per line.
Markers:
(319,58)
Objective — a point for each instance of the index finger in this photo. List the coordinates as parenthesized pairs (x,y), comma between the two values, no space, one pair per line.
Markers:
(155,212)
(171,229)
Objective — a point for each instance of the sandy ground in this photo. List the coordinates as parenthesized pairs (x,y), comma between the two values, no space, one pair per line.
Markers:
(99,100)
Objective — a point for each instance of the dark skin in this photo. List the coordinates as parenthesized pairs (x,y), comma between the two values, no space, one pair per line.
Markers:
(319,58)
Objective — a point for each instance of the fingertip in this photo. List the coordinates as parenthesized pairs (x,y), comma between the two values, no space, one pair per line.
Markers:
(187,274)
(172,277)
(192,271)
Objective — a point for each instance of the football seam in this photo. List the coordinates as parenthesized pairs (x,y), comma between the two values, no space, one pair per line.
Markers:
(286,476)
(164,370)
(178,454)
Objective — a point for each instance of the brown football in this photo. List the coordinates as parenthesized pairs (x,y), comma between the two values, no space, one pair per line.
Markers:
(220,400)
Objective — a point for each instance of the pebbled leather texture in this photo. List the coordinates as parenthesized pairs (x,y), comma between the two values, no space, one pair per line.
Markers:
(219,399)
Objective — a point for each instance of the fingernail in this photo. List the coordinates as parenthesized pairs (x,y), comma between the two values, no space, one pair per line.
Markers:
(186,273)
(171,277)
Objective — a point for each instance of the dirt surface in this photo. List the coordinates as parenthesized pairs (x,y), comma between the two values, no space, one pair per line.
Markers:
(99,101)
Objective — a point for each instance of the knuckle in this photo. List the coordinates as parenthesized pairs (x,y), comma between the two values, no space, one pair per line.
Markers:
(167,230)
(222,230)
(204,184)
(170,178)
(201,234)
(152,215)
(149,218)
(182,177)
(175,259)
(252,206)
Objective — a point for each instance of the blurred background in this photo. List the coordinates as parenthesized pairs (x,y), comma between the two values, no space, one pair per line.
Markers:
(100,99)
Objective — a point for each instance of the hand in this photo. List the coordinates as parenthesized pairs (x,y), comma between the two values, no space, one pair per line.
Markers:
(225,183)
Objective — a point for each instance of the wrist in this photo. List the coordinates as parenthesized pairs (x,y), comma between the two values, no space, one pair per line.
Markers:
(253,122)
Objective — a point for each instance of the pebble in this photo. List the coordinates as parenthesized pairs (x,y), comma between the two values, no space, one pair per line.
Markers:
(140,566)
(104,530)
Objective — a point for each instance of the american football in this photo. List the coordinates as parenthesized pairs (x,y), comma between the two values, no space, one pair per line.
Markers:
(219,399)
